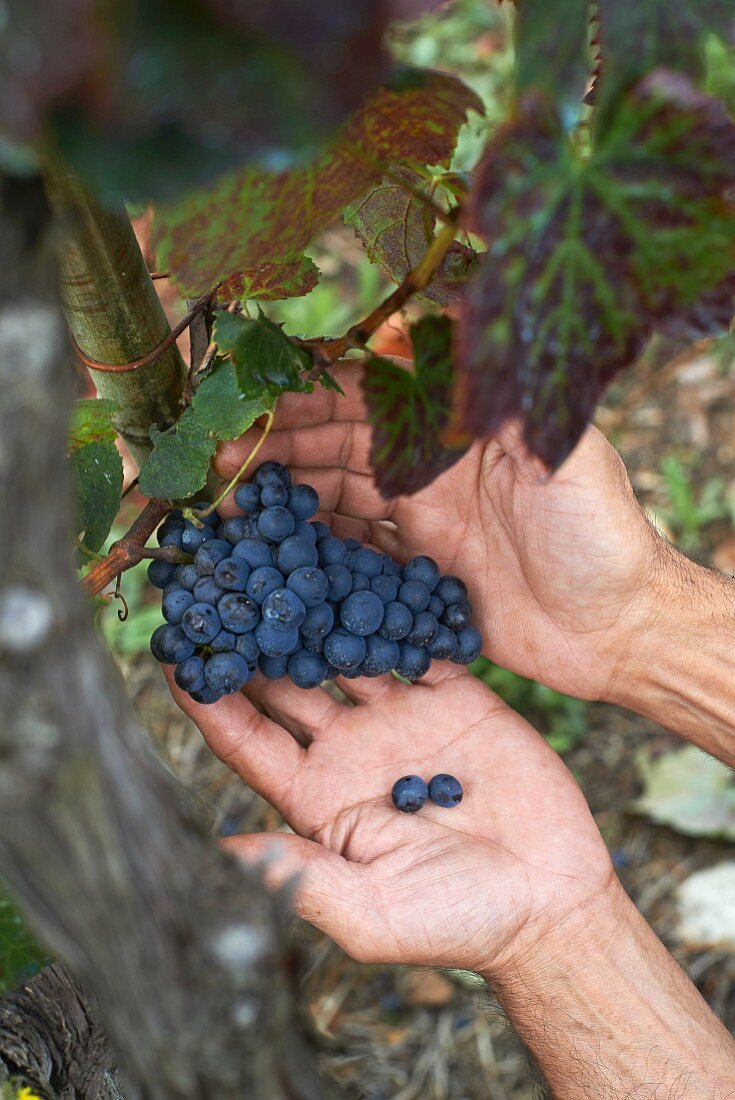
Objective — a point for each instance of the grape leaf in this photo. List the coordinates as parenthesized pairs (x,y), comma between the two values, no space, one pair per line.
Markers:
(91,422)
(178,465)
(550,45)
(97,478)
(20,955)
(396,228)
(271,282)
(408,411)
(266,360)
(588,254)
(251,217)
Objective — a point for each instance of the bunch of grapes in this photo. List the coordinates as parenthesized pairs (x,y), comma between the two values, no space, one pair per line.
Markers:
(272,590)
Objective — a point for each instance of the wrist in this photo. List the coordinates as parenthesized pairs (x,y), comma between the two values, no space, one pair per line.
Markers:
(679,663)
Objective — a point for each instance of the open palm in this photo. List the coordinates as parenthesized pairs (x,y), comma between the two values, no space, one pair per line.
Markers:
(558,568)
(446,887)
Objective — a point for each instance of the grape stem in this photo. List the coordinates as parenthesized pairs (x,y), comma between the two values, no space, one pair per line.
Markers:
(130,549)
(189,513)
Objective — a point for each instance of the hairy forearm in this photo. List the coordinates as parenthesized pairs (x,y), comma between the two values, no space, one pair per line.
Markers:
(608,1014)
(680,670)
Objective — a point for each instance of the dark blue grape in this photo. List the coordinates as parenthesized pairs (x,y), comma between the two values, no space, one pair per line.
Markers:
(255,552)
(310,584)
(436,607)
(331,551)
(352,544)
(226,673)
(283,609)
(274,493)
(444,645)
(451,590)
(362,613)
(295,552)
(274,641)
(172,537)
(232,574)
(192,537)
(414,661)
(238,612)
(422,569)
(469,646)
(168,524)
(457,616)
(312,645)
(206,695)
(174,603)
(209,553)
(186,575)
(170,645)
(223,642)
(364,561)
(397,622)
(415,595)
(247,498)
(189,674)
(272,471)
(262,582)
(351,673)
(206,590)
(424,628)
(318,622)
(236,529)
(201,623)
(344,650)
(320,530)
(307,670)
(409,794)
(360,583)
(303,501)
(160,573)
(381,655)
(275,524)
(385,587)
(305,530)
(247,647)
(392,568)
(445,790)
(273,668)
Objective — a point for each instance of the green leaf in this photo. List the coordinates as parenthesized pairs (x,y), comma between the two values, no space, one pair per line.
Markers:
(178,465)
(91,422)
(588,254)
(97,477)
(409,410)
(396,228)
(271,282)
(551,51)
(20,955)
(266,360)
(253,217)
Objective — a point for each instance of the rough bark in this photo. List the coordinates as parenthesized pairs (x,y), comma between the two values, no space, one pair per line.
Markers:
(181,949)
(113,310)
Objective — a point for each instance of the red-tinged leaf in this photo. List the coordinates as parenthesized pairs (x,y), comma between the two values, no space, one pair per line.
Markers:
(271,282)
(588,255)
(408,411)
(254,217)
(396,228)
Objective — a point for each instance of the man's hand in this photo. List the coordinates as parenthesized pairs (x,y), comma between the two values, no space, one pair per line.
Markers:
(461,887)
(558,569)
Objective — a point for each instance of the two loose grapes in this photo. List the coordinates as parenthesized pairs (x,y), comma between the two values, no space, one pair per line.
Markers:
(271,591)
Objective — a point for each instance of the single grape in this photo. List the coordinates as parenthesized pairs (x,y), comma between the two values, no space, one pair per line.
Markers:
(414,661)
(223,642)
(444,645)
(344,650)
(192,537)
(189,674)
(255,552)
(274,493)
(247,647)
(312,645)
(247,498)
(294,553)
(209,553)
(226,673)
(168,524)
(381,655)
(175,603)
(451,590)
(318,621)
(232,574)
(172,537)
(186,575)
(385,587)
(262,582)
(284,609)
(422,569)
(397,622)
(436,607)
(469,646)
(303,501)
(457,616)
(201,623)
(320,530)
(235,530)
(305,530)
(352,544)
(415,595)
(331,551)
(272,471)
(170,645)
(310,584)
(273,668)
(307,670)
(238,613)
(274,641)
(424,628)
(445,790)
(360,583)
(275,524)
(160,573)
(206,695)
(409,794)
(392,568)
(206,590)
(362,613)
(364,561)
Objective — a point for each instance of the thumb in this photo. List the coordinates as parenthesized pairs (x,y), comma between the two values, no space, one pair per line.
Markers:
(330,892)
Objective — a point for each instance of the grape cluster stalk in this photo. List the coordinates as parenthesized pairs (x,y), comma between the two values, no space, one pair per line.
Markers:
(274,591)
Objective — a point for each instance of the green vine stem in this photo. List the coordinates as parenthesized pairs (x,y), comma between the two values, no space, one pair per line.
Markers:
(113,310)
(189,513)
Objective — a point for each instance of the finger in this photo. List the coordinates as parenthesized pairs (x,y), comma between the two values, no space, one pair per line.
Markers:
(330,893)
(306,714)
(261,752)
(366,689)
(335,443)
